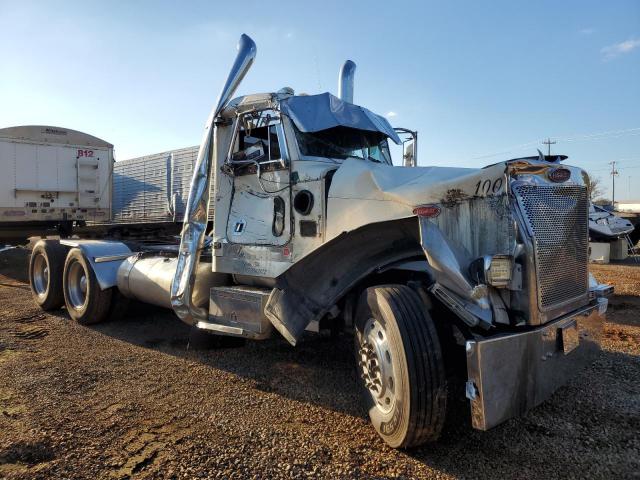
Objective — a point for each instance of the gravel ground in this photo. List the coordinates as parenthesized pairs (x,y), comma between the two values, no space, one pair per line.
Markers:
(131,399)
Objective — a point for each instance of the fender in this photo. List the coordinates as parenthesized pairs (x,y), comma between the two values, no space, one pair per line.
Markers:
(310,288)
(452,284)
(104,256)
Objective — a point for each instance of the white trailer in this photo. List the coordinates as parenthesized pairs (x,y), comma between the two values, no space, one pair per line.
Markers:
(52,177)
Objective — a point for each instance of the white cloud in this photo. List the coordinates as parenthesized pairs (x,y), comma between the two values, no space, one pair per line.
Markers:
(621,48)
(587,31)
(391,114)
(288,35)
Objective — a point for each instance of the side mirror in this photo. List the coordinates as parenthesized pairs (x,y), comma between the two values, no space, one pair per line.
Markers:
(409,146)
(410,154)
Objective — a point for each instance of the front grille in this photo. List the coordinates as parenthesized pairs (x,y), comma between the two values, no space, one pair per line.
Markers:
(557,218)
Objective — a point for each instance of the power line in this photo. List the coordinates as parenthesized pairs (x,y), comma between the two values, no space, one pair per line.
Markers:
(573,138)
(611,133)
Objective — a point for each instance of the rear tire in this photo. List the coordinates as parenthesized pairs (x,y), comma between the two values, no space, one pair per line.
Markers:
(45,274)
(86,302)
(401,367)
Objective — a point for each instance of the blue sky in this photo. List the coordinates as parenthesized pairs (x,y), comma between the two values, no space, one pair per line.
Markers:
(481,82)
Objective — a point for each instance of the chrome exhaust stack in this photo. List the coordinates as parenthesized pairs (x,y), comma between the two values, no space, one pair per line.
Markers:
(346,81)
(197,208)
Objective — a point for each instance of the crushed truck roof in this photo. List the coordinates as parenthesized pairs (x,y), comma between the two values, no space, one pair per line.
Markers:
(313,113)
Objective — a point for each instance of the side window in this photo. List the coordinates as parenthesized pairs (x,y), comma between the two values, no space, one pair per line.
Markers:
(257,139)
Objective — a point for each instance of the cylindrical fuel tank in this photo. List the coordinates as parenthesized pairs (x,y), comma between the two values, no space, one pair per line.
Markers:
(148,279)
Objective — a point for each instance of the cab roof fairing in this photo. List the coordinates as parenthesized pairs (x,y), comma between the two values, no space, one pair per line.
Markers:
(314,113)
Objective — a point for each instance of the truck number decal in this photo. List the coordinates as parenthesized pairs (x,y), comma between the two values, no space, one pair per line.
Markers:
(85,153)
(488,186)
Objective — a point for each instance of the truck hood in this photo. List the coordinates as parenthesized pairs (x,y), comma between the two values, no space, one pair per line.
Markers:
(365,192)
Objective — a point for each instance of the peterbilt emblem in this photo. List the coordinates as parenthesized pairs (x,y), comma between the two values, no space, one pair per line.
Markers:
(429,211)
(559,175)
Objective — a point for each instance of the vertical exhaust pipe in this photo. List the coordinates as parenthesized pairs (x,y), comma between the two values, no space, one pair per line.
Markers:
(346,81)
(197,208)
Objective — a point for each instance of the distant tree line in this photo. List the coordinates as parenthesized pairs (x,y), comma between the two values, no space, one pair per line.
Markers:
(596,190)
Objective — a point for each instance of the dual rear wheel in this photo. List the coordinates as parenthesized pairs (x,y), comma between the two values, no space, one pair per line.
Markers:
(86,302)
(64,277)
(45,274)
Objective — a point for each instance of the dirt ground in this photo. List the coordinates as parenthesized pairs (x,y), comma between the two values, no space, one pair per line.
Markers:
(131,399)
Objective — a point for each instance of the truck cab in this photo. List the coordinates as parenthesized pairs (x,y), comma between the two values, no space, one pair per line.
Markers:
(274,172)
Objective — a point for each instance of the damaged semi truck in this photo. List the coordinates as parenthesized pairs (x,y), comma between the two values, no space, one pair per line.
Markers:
(314,228)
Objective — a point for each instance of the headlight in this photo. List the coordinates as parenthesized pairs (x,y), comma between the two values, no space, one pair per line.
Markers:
(492,270)
(499,273)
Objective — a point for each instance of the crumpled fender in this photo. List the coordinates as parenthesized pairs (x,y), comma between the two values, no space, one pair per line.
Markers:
(312,286)
(452,285)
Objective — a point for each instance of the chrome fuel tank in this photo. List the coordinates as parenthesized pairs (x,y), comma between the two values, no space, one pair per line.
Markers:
(148,279)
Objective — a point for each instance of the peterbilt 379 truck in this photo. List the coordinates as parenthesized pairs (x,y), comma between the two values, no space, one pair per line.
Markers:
(315,228)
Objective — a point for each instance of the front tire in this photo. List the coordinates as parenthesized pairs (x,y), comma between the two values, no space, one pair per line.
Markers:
(401,367)
(86,302)
(45,274)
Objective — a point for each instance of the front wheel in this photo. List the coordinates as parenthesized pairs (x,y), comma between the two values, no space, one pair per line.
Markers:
(86,302)
(400,364)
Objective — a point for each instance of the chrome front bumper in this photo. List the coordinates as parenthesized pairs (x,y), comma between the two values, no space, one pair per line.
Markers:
(511,373)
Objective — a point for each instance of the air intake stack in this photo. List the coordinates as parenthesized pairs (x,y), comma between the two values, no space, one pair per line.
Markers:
(345,81)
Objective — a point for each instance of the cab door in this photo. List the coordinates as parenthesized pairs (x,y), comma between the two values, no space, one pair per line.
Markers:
(260,212)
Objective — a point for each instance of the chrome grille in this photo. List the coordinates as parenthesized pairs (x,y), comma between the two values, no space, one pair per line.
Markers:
(557,218)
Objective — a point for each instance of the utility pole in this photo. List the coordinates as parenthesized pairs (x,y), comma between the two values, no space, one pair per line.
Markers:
(548,142)
(614,172)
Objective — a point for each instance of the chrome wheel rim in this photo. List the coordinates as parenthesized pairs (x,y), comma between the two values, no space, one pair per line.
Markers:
(77,285)
(40,275)
(376,365)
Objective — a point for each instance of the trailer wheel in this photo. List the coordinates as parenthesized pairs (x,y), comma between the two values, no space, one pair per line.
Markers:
(86,302)
(400,364)
(45,274)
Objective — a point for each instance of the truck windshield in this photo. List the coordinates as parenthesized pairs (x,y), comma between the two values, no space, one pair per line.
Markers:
(343,143)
